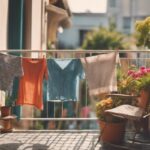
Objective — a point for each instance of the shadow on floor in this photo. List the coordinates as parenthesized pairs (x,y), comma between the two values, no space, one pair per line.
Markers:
(10,146)
(39,147)
(15,146)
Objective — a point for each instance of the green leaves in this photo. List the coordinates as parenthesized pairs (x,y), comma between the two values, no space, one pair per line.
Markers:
(143,30)
(144,83)
(103,38)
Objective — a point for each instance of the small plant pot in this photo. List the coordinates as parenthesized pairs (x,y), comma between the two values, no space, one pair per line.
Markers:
(112,132)
(7,124)
(144,97)
(5,111)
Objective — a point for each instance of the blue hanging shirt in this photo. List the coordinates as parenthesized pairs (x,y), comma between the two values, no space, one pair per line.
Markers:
(63,80)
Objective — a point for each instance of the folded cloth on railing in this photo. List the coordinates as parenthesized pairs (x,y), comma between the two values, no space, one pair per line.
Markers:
(100,73)
(10,67)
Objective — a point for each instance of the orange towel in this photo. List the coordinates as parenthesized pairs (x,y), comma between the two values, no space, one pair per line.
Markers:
(30,85)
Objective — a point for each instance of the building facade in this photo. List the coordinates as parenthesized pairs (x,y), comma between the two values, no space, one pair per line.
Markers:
(81,24)
(30,24)
(123,13)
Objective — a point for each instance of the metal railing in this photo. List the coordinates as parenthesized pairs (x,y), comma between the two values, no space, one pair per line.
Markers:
(130,57)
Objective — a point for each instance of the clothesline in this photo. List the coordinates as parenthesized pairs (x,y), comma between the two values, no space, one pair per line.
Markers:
(60,119)
(55,53)
(70,51)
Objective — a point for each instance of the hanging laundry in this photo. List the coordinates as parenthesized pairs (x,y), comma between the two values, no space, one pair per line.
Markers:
(63,84)
(30,86)
(100,73)
(2,98)
(13,95)
(10,67)
(63,78)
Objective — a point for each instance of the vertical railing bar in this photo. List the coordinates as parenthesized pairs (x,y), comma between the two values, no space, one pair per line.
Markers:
(75,103)
(86,90)
(87,87)
(145,60)
(47,109)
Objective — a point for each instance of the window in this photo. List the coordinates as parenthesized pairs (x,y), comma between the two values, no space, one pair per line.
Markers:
(126,23)
(82,35)
(112,3)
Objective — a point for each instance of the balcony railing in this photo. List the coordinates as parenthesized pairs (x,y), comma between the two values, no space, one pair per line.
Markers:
(77,120)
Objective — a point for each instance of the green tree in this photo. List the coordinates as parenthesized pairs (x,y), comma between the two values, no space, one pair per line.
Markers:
(143,32)
(104,38)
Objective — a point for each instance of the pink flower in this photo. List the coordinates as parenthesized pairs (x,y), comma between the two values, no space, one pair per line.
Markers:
(148,70)
(130,72)
(136,75)
(140,73)
(142,68)
(143,72)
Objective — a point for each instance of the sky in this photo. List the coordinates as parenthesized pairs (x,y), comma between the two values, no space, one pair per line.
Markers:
(94,6)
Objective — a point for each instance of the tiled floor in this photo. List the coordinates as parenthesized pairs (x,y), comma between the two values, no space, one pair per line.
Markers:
(57,140)
(50,140)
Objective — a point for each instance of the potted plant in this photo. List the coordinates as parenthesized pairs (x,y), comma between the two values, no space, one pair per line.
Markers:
(137,82)
(129,84)
(112,128)
(141,79)
(6,115)
(6,110)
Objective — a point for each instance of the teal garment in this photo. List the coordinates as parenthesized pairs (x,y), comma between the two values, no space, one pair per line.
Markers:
(63,80)
(48,110)
(62,84)
(16,110)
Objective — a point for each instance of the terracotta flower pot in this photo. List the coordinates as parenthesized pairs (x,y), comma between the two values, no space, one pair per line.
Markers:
(7,124)
(143,103)
(144,97)
(5,111)
(113,132)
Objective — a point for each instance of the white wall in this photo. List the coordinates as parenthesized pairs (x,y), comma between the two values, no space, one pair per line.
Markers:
(139,7)
(3,36)
(70,37)
(3,23)
(36,26)
(134,9)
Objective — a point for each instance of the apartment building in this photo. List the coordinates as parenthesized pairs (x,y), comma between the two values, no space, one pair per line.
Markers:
(123,13)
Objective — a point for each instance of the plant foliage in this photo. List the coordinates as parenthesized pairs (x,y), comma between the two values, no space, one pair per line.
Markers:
(104,38)
(143,30)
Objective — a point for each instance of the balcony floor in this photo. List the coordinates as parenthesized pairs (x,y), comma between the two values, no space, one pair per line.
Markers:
(58,140)
(48,140)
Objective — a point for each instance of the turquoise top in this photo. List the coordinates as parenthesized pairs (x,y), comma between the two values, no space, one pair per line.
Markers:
(63,80)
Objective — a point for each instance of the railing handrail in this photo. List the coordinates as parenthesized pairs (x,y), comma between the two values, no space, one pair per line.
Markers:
(72,51)
(60,119)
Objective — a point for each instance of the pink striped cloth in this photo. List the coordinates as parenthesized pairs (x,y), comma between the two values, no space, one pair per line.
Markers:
(100,73)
